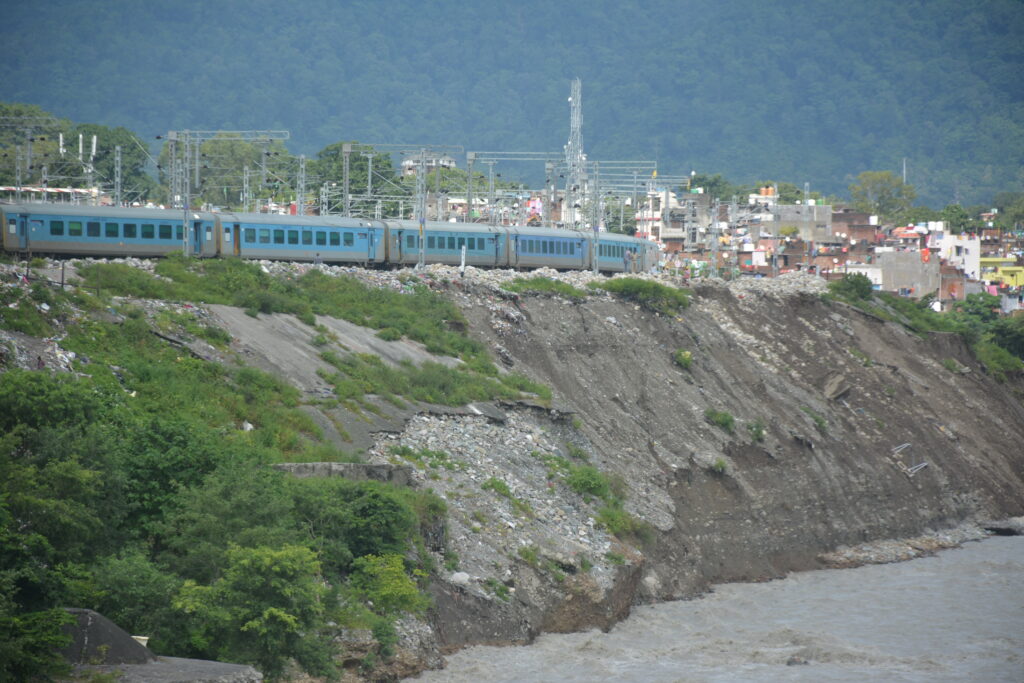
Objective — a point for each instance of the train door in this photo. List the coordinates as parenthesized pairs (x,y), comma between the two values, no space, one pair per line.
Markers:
(23,232)
(514,256)
(371,238)
(196,235)
(236,238)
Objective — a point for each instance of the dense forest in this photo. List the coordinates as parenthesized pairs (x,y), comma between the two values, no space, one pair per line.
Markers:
(801,91)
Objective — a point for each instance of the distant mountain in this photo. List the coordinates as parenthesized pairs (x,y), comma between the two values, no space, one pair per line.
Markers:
(799,91)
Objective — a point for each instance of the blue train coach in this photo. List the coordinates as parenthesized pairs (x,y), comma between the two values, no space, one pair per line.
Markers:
(42,228)
(334,239)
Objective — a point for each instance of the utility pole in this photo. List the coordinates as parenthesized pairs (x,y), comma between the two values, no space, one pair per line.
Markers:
(246,189)
(117,175)
(300,197)
(470,158)
(346,152)
(421,204)
(574,160)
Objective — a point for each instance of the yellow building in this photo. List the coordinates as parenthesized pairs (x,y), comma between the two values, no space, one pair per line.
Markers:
(1002,269)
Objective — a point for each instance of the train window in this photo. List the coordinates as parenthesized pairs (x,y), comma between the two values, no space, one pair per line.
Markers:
(250,235)
(321,238)
(56,227)
(165,231)
(227,234)
(460,243)
(75,228)
(264,235)
(307,237)
(279,236)
(112,230)
(209,233)
(335,239)
(572,249)
(544,246)
(12,225)
(430,242)
(349,239)
(177,233)
(471,243)
(451,243)
(92,229)
(410,241)
(148,231)
(293,237)
(129,231)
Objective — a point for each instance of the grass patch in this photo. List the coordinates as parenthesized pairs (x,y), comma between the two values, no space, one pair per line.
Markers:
(545,285)
(720,419)
(757,430)
(499,589)
(651,295)
(864,359)
(683,358)
(950,365)
(719,466)
(502,489)
(819,422)
(425,458)
(361,374)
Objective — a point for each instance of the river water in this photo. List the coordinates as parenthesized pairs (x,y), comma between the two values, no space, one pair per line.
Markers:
(956,616)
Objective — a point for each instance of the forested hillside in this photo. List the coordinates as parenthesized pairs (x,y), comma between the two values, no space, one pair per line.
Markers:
(798,91)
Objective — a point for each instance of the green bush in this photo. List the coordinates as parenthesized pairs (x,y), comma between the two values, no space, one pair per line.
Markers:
(586,480)
(719,466)
(853,287)
(720,419)
(545,285)
(647,293)
(683,358)
(620,523)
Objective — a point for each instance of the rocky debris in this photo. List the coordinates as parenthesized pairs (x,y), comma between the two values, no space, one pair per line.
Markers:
(796,283)
(1014,526)
(539,521)
(836,386)
(886,551)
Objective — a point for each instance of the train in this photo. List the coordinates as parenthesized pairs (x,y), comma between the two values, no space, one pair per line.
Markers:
(111,232)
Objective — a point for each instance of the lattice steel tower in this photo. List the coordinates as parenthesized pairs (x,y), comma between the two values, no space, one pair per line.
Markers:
(575,161)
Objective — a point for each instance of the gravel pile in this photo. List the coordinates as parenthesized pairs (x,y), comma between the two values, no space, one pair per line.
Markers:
(786,285)
(539,512)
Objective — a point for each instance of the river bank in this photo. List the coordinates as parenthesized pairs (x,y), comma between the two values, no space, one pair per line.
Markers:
(955,615)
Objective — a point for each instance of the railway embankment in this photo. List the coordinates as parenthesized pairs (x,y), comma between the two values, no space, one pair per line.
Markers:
(759,431)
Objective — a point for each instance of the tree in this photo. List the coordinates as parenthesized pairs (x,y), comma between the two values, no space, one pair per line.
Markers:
(1009,334)
(955,217)
(267,608)
(882,193)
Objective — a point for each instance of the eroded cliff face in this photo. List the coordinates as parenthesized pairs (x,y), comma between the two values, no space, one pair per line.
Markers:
(839,393)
